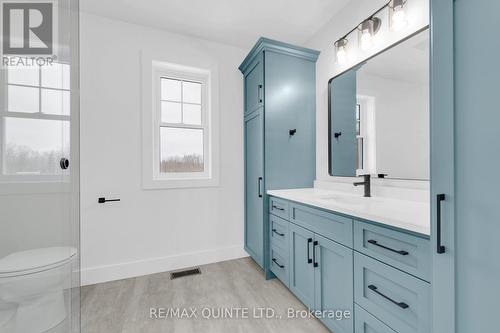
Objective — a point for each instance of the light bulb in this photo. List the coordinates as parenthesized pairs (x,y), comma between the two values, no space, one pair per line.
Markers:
(341,55)
(366,40)
(399,20)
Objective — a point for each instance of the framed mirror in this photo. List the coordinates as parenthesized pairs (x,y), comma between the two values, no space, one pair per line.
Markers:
(379,114)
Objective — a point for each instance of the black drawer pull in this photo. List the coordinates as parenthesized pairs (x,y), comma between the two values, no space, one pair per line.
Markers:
(278,208)
(309,241)
(402,305)
(315,264)
(276,262)
(401,252)
(277,233)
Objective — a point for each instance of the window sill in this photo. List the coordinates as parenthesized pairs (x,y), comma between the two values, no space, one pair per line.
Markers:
(165,184)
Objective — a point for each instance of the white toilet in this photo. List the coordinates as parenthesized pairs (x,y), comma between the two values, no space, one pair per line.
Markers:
(32,285)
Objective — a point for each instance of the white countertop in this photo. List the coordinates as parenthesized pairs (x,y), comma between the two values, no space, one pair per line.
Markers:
(403,214)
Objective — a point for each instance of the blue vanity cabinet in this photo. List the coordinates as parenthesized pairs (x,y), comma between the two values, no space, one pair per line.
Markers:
(376,275)
(279,112)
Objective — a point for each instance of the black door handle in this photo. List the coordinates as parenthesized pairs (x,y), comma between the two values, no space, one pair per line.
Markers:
(260,187)
(401,252)
(103,200)
(315,264)
(440,248)
(402,305)
(277,233)
(276,262)
(309,241)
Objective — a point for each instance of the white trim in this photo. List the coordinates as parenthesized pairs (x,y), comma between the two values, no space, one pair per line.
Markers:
(130,269)
(152,69)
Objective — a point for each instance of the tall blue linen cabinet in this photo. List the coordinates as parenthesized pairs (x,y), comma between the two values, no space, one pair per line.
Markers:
(279,130)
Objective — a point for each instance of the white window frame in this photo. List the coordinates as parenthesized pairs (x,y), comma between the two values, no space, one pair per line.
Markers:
(153,70)
(368,134)
(5,113)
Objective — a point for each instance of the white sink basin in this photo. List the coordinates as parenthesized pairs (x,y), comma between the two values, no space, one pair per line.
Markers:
(349,200)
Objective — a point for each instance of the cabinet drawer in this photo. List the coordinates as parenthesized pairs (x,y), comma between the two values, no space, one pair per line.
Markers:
(333,226)
(279,264)
(366,323)
(409,253)
(279,207)
(278,232)
(396,298)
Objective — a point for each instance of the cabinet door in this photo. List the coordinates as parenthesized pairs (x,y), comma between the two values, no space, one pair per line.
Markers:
(301,264)
(254,85)
(334,283)
(254,187)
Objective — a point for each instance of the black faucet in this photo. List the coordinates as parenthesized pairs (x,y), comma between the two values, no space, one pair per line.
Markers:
(367,185)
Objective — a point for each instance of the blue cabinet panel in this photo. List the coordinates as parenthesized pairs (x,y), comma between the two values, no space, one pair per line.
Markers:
(254,85)
(398,299)
(334,283)
(278,235)
(406,252)
(254,173)
(333,226)
(301,265)
(280,264)
(366,323)
(279,207)
(290,90)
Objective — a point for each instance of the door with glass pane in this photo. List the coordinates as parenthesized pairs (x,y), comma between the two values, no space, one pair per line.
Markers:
(39,172)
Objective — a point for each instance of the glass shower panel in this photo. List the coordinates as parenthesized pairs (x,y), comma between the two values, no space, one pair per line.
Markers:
(40,169)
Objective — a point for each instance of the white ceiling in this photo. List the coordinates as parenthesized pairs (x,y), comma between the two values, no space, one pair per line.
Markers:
(234,22)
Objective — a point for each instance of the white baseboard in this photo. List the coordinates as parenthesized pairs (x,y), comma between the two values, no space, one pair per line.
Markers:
(131,269)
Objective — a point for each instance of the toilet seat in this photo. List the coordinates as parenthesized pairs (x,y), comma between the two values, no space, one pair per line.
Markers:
(35,261)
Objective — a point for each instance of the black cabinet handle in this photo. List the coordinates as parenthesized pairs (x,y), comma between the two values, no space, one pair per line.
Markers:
(401,252)
(309,241)
(276,262)
(402,305)
(260,93)
(292,132)
(277,233)
(315,264)
(278,208)
(103,200)
(440,248)
(260,186)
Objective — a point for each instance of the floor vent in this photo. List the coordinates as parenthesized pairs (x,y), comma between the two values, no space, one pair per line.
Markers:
(188,272)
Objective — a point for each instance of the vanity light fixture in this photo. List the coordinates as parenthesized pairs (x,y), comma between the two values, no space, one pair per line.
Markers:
(340,46)
(397,14)
(368,28)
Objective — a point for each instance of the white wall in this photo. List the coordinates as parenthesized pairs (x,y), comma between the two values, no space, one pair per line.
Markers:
(326,67)
(401,125)
(151,230)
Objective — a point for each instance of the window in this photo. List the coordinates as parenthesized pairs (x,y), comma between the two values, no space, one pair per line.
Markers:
(181,126)
(183,150)
(34,122)
(360,139)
